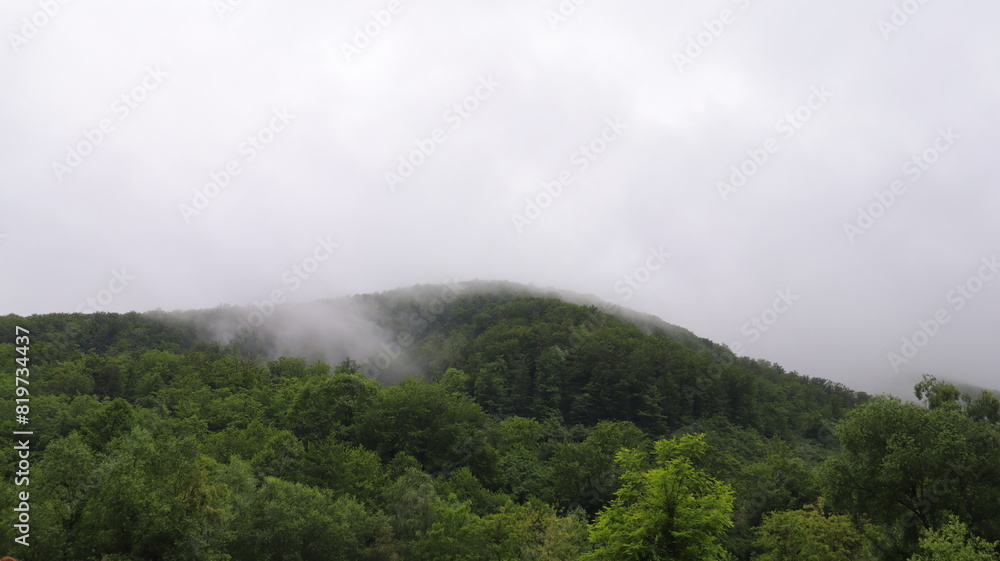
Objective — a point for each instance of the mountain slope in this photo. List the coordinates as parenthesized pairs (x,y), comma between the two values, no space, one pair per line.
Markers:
(499,405)
(516,350)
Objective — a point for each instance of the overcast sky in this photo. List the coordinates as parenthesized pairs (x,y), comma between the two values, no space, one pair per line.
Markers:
(704,161)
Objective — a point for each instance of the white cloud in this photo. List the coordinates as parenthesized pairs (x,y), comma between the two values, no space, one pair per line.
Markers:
(451,219)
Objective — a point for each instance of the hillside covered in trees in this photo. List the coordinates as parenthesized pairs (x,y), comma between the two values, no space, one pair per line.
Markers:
(473,425)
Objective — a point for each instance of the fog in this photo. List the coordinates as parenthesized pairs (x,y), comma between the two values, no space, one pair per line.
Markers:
(811,184)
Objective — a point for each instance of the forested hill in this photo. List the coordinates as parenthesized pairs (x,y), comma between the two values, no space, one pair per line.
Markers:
(523,354)
(516,352)
(467,422)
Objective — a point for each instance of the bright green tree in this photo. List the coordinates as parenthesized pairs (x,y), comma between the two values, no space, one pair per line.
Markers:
(673,511)
(809,535)
(953,542)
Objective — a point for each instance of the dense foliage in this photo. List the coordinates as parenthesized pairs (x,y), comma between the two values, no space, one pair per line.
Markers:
(530,428)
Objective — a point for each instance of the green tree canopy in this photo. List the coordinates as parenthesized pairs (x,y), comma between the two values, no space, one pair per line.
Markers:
(810,535)
(953,542)
(671,511)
